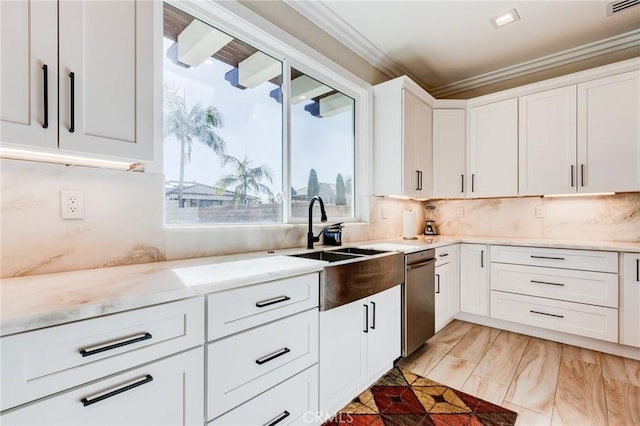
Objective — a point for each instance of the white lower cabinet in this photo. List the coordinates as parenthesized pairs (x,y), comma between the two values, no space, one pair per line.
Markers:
(474,279)
(447,296)
(294,401)
(246,364)
(169,391)
(358,342)
(575,318)
(630,299)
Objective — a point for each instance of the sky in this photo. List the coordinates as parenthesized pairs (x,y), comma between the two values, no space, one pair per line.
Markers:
(253,127)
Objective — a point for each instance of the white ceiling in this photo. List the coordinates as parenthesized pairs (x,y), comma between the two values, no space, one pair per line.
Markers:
(450,46)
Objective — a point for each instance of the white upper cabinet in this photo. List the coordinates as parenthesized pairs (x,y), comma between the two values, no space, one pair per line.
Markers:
(449,140)
(29,73)
(609,134)
(547,142)
(492,167)
(402,139)
(100,66)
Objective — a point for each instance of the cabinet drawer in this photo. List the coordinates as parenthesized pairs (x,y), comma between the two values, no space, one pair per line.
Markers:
(446,254)
(239,309)
(587,260)
(574,318)
(247,364)
(595,288)
(295,402)
(169,391)
(39,363)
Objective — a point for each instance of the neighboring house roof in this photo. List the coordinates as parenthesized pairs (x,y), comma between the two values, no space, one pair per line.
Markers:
(193,189)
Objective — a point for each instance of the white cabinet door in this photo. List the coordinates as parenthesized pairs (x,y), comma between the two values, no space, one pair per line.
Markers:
(165,392)
(384,329)
(609,134)
(28,36)
(630,300)
(416,135)
(493,150)
(449,139)
(443,288)
(547,142)
(343,354)
(474,279)
(106,80)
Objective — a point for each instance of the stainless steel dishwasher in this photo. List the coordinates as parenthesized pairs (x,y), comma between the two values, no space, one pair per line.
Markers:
(418,323)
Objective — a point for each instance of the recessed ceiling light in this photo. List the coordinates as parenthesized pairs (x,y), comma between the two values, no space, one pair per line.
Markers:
(505,18)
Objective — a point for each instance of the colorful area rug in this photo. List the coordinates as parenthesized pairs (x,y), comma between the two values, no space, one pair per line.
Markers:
(401,398)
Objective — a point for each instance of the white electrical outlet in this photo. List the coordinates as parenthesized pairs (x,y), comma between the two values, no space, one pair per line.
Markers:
(540,212)
(460,212)
(72,204)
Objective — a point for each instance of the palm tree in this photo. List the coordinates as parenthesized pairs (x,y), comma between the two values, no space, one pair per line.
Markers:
(246,178)
(197,124)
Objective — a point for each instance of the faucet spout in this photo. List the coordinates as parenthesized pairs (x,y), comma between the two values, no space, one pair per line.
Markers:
(323,218)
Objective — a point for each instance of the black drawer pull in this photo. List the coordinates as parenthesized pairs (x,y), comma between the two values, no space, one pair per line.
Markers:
(547,257)
(272,356)
(544,313)
(45,90)
(373,318)
(548,283)
(72,102)
(92,350)
(366,318)
(278,419)
(443,255)
(273,301)
(102,396)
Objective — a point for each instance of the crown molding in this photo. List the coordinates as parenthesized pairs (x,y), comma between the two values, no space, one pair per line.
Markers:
(325,18)
(320,14)
(591,50)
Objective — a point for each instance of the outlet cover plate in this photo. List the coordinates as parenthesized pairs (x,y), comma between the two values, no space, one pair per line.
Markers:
(72,205)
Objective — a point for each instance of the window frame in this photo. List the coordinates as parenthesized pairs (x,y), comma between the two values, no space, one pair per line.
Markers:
(249,27)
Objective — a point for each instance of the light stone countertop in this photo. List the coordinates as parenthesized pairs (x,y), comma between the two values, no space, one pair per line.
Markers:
(37,301)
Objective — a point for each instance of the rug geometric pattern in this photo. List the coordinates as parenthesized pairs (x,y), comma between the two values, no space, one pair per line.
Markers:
(401,398)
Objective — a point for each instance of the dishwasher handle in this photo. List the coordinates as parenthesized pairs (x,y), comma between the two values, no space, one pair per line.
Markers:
(420,264)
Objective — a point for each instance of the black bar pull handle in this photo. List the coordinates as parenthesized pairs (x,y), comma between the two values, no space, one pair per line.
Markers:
(544,313)
(272,356)
(417,180)
(92,350)
(547,257)
(366,318)
(548,283)
(128,386)
(45,90)
(438,284)
(572,182)
(278,419)
(373,317)
(638,270)
(581,174)
(72,103)
(443,254)
(482,258)
(462,181)
(473,182)
(273,301)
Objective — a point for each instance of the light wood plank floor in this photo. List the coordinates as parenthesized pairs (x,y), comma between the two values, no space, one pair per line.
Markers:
(547,383)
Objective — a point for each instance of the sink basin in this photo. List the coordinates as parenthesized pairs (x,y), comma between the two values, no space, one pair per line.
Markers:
(358,251)
(355,273)
(327,256)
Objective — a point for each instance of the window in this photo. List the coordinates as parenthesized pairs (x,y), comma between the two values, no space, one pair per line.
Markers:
(225,135)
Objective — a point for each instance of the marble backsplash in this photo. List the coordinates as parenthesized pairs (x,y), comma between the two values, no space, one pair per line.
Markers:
(124,221)
(600,218)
